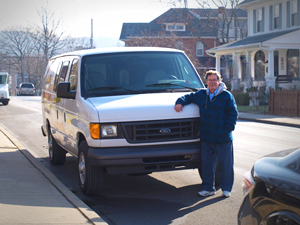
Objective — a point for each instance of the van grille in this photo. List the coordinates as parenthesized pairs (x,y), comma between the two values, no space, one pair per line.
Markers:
(158,131)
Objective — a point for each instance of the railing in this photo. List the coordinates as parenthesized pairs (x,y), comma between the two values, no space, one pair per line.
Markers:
(284,102)
(284,78)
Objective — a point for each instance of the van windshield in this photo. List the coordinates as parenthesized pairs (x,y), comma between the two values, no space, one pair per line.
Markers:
(138,72)
(3,79)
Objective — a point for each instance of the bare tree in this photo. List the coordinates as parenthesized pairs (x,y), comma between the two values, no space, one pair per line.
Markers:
(51,41)
(18,44)
(230,27)
(226,25)
(73,44)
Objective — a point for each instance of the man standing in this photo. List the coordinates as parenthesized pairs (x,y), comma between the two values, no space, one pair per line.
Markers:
(218,116)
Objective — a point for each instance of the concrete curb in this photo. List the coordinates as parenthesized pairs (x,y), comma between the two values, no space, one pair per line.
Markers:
(85,210)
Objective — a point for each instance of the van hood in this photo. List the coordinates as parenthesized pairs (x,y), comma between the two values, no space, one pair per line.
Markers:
(141,107)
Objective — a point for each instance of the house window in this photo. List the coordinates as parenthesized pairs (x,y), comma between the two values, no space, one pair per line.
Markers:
(199,49)
(276,16)
(175,27)
(259,20)
(294,7)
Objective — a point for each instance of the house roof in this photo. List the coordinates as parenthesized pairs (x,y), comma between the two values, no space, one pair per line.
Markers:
(246,3)
(178,15)
(252,40)
(260,38)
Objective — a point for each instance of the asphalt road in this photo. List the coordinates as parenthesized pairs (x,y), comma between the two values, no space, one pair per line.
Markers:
(158,198)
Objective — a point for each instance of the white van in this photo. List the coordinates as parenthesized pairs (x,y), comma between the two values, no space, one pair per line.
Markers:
(113,109)
(4,88)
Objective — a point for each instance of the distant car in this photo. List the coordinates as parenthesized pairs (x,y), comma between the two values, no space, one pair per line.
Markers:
(26,89)
(272,191)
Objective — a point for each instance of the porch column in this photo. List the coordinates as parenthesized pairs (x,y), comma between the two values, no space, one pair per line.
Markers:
(270,78)
(235,81)
(218,63)
(248,78)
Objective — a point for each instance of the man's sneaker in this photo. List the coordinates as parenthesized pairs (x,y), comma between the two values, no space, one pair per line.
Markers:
(206,193)
(226,194)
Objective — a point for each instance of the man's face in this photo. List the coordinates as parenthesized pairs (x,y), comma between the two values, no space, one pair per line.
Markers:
(212,82)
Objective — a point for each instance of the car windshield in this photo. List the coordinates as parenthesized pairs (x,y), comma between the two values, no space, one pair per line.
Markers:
(26,86)
(138,72)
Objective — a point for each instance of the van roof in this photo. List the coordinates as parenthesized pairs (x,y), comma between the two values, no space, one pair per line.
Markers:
(117,50)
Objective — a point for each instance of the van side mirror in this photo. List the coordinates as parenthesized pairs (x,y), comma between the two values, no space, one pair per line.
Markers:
(63,91)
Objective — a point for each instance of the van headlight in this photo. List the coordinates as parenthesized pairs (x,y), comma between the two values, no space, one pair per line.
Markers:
(109,131)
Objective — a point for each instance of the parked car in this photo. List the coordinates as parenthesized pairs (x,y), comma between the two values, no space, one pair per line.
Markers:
(4,88)
(272,191)
(26,89)
(113,109)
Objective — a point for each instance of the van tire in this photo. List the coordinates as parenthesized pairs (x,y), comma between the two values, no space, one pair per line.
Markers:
(5,103)
(90,177)
(57,154)
(217,175)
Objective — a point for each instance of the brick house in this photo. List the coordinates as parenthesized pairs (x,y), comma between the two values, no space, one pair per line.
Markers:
(191,30)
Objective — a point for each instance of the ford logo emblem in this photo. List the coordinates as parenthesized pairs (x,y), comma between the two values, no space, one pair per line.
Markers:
(165,131)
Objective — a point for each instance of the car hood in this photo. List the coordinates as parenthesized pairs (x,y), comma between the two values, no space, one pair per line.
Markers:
(141,107)
(282,172)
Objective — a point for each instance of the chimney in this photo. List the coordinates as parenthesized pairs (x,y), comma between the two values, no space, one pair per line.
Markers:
(221,10)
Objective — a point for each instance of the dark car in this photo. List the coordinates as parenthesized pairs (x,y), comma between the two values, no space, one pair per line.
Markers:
(26,89)
(272,191)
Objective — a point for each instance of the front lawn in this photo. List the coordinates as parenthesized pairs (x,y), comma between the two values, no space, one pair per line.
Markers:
(263,109)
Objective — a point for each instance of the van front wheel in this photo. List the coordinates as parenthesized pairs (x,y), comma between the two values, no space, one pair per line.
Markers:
(57,154)
(90,177)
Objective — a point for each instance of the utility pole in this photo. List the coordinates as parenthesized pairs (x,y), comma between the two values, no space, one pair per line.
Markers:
(91,40)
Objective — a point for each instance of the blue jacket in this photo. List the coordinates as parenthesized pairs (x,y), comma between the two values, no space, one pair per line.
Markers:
(217,116)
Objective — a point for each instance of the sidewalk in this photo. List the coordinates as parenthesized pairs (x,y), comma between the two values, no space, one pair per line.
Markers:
(31,194)
(271,119)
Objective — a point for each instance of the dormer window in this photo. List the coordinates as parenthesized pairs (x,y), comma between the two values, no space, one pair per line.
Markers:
(175,27)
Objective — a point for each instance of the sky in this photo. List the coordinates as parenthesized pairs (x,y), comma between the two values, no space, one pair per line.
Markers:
(75,15)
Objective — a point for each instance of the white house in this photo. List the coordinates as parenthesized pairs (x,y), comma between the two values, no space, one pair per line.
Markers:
(270,54)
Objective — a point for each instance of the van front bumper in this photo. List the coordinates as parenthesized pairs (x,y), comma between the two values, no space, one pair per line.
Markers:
(147,159)
(4,99)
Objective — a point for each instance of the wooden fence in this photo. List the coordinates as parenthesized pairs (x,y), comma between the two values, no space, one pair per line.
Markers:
(284,102)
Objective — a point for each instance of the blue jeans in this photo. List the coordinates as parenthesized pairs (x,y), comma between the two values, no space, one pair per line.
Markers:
(213,154)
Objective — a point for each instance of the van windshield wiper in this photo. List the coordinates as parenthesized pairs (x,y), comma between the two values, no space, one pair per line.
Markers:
(109,88)
(171,84)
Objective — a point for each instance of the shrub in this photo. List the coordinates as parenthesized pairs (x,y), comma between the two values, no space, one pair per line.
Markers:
(242,98)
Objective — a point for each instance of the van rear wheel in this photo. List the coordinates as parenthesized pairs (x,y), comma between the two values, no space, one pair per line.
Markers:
(57,154)
(90,177)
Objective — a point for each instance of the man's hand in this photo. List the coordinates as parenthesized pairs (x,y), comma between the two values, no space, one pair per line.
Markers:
(178,107)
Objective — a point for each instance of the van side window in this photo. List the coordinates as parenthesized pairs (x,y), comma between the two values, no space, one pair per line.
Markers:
(73,75)
(57,76)
(63,72)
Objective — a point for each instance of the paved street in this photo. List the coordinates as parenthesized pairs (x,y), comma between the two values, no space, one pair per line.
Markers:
(158,198)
